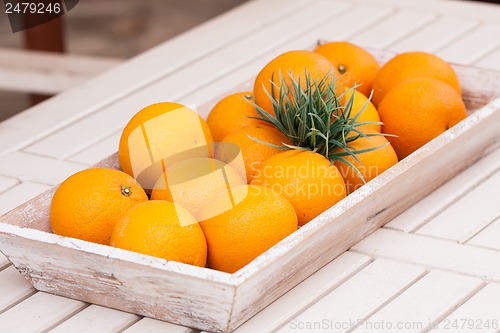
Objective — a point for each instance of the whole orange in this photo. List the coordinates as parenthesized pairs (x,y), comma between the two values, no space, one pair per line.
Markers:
(161,229)
(368,114)
(411,65)
(292,64)
(252,151)
(195,182)
(158,136)
(356,64)
(417,111)
(232,113)
(307,179)
(257,220)
(88,203)
(370,164)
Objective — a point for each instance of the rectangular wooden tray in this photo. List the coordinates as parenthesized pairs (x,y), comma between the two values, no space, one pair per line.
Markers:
(215,301)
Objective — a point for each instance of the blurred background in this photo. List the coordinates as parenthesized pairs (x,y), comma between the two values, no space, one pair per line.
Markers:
(115,29)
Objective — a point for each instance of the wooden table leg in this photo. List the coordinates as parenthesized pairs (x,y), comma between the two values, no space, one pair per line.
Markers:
(45,37)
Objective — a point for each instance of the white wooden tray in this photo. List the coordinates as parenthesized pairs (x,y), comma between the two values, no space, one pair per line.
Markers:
(215,301)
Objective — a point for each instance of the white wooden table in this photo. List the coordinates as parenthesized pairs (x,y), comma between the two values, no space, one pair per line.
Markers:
(436,265)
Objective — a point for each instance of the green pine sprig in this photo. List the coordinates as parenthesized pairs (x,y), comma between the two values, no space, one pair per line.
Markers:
(310,114)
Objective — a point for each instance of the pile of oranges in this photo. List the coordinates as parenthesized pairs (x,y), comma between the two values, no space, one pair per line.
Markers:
(218,193)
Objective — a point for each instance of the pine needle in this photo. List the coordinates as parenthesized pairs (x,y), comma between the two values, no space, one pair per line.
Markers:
(310,114)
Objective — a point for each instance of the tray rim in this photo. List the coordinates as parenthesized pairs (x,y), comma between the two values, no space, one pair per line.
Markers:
(110,252)
(279,249)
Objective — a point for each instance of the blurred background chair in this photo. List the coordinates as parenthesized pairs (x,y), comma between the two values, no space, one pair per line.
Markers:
(42,68)
(93,37)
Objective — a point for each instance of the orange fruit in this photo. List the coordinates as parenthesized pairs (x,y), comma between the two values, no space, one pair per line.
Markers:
(161,229)
(232,113)
(356,64)
(256,221)
(372,163)
(253,152)
(88,203)
(158,136)
(412,65)
(308,180)
(417,111)
(293,64)
(369,114)
(195,182)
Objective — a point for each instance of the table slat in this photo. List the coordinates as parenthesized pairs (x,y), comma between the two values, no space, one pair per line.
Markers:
(332,30)
(473,45)
(98,151)
(491,60)
(96,319)
(434,35)
(305,294)
(465,9)
(48,72)
(489,237)
(478,314)
(423,303)
(27,166)
(358,297)
(20,194)
(4,262)
(148,325)
(395,27)
(445,195)
(7,182)
(13,287)
(38,313)
(468,215)
(431,252)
